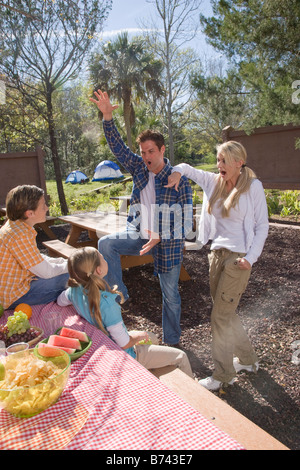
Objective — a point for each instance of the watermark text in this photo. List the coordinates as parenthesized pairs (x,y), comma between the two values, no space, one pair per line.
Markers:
(296,94)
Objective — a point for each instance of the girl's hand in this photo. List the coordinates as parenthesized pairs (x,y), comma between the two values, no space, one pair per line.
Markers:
(104,105)
(173,180)
(244,264)
(135,337)
(154,240)
(138,336)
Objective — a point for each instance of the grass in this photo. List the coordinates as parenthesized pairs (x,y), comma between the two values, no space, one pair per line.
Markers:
(84,197)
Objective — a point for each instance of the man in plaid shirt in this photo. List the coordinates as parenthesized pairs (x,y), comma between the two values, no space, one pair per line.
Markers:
(159,219)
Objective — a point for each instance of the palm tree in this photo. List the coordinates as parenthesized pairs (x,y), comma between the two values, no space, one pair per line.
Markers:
(126,71)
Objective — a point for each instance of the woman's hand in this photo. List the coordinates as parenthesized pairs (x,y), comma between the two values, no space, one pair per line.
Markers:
(244,264)
(154,240)
(173,180)
(104,105)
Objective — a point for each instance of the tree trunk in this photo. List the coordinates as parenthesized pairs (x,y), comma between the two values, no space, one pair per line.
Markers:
(169,110)
(170,132)
(55,159)
(127,117)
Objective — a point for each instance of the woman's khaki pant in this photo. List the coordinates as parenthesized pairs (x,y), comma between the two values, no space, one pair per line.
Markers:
(227,284)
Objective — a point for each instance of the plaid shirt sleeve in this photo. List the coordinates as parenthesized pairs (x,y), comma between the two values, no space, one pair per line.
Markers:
(128,159)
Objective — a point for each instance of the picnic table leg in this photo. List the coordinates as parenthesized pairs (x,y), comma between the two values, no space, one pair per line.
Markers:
(94,239)
(45,227)
(73,235)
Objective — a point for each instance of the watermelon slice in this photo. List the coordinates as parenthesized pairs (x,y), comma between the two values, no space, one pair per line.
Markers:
(49,351)
(69,333)
(63,341)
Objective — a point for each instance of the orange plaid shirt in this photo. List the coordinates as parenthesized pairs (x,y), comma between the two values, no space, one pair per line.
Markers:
(18,253)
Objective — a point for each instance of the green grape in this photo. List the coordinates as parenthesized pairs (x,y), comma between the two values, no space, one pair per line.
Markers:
(17,323)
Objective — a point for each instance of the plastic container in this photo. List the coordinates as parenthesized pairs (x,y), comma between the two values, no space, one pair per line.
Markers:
(28,400)
(17,347)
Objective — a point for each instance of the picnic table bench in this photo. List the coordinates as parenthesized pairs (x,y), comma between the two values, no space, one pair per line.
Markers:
(226,418)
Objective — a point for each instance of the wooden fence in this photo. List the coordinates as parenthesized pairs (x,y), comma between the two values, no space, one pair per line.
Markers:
(272,154)
(21,168)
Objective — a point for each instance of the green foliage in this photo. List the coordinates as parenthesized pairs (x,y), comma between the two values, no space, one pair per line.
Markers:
(261,38)
(291,203)
(196,198)
(273,202)
(283,203)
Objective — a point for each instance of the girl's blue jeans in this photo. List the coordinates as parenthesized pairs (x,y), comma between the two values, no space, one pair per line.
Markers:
(130,243)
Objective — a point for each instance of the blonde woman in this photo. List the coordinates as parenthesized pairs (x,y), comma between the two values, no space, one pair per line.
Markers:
(95,301)
(235,218)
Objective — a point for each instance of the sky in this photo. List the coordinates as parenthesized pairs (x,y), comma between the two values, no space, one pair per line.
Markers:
(125,16)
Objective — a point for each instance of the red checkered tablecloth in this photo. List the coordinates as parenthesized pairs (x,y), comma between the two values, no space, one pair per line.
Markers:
(110,402)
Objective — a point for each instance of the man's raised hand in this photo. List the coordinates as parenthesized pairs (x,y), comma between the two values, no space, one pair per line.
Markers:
(104,105)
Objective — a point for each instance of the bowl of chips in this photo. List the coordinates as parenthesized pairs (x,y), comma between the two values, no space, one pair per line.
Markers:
(32,384)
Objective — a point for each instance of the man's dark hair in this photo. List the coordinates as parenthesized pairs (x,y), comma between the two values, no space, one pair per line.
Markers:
(155,136)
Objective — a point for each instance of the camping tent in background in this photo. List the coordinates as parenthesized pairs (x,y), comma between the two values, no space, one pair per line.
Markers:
(107,170)
(76,177)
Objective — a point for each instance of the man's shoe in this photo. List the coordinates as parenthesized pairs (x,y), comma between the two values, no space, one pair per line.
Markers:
(212,384)
(250,368)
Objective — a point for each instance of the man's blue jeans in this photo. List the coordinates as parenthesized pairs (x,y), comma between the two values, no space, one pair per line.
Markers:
(130,243)
(43,291)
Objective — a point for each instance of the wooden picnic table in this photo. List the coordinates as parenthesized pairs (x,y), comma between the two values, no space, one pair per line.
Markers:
(99,224)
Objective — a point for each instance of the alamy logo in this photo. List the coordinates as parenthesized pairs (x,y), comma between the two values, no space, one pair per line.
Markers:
(2,92)
(170,222)
(296,94)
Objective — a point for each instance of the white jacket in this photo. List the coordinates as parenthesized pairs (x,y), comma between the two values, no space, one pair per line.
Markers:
(256,224)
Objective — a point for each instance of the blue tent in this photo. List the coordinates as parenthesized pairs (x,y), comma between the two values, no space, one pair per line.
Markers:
(76,177)
(107,170)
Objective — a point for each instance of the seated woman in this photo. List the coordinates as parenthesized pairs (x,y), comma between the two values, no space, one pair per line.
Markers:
(26,275)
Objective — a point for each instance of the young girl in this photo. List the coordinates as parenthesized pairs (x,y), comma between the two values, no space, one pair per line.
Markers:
(95,301)
(235,218)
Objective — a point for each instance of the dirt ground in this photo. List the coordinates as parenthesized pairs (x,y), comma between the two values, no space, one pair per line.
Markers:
(270,312)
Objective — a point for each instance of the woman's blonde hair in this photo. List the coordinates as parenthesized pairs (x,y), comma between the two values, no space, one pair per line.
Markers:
(232,152)
(82,265)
